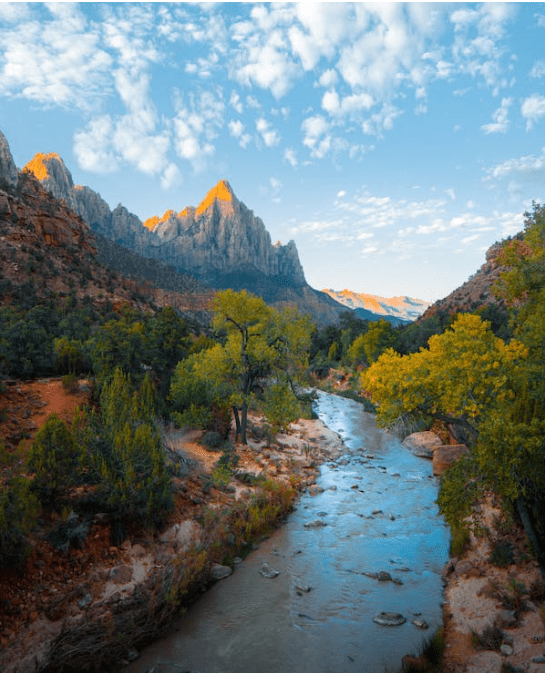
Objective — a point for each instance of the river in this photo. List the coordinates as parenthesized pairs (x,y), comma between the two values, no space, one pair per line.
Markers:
(379,508)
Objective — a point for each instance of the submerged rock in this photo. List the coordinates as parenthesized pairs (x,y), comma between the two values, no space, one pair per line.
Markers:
(389,619)
(219,572)
(317,523)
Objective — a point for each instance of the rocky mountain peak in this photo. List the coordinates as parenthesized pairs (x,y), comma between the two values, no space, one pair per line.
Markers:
(8,169)
(51,171)
(221,192)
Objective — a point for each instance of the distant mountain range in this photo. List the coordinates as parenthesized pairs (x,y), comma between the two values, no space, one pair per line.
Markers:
(372,307)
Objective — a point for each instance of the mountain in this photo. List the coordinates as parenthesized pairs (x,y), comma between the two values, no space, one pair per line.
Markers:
(371,307)
(220,242)
(476,292)
(47,249)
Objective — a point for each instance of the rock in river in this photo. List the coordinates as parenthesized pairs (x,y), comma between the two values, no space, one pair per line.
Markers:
(267,572)
(390,619)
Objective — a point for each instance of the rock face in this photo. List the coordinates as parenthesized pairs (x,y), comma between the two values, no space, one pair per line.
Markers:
(423,444)
(403,308)
(445,456)
(8,169)
(221,242)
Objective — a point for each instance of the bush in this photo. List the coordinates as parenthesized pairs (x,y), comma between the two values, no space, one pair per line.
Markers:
(502,554)
(18,515)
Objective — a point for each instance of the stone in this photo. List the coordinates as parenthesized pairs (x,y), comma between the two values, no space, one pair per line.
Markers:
(269,573)
(423,444)
(302,589)
(506,650)
(383,576)
(485,662)
(445,456)
(220,572)
(315,489)
(317,523)
(121,574)
(506,618)
(390,619)
(85,601)
(421,624)
(538,660)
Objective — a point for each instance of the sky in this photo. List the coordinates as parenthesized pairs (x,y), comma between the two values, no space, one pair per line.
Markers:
(394,143)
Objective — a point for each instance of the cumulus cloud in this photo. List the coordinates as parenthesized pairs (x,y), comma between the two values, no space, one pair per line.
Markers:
(316,135)
(500,122)
(533,109)
(238,130)
(268,133)
(58,61)
(525,165)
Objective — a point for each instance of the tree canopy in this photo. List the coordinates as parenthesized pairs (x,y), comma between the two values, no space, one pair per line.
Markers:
(258,346)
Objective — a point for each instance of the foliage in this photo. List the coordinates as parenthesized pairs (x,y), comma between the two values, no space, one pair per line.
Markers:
(502,554)
(259,345)
(18,516)
(462,485)
(461,377)
(55,459)
(280,406)
(134,481)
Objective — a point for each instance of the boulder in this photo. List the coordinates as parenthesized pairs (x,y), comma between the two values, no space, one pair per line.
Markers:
(445,456)
(423,444)
(219,572)
(121,574)
(389,619)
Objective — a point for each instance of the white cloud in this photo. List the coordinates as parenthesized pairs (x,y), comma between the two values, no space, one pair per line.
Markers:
(500,122)
(328,78)
(270,135)
(235,102)
(538,69)
(355,103)
(93,146)
(55,62)
(533,109)
(316,135)
(525,165)
(238,130)
(290,155)
(171,176)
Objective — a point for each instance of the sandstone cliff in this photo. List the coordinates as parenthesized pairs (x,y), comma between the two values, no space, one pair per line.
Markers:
(403,308)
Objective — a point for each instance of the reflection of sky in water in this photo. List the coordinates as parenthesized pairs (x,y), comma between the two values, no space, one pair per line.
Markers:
(330,629)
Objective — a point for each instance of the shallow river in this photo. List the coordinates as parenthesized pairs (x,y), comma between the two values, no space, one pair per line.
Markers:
(381,515)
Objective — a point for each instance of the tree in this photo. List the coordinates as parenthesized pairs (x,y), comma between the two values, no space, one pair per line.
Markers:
(134,482)
(462,377)
(55,458)
(259,346)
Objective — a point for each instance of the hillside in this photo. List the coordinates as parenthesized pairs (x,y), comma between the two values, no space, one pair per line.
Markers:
(476,292)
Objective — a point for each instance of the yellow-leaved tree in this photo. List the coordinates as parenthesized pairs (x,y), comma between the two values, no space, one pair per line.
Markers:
(462,377)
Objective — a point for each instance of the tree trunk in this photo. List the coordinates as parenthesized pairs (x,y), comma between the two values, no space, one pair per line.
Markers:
(244,422)
(237,424)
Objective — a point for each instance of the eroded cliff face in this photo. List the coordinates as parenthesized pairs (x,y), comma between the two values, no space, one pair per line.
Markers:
(8,169)
(219,237)
(222,236)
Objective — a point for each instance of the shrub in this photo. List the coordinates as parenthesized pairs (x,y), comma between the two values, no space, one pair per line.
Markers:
(18,515)
(502,554)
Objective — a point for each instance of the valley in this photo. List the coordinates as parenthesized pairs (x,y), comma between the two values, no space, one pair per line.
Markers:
(158,419)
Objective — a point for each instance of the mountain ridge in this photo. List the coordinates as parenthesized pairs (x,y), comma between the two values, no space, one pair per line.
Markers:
(402,307)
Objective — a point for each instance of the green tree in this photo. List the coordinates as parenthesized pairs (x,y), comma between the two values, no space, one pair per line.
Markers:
(260,346)
(55,459)
(134,482)
(18,516)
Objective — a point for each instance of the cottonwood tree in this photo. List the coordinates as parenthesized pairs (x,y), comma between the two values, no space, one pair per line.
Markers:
(260,346)
(463,377)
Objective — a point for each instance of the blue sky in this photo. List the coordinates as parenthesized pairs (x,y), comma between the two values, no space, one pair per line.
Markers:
(393,143)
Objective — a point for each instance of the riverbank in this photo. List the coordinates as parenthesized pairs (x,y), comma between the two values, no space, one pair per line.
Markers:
(93,606)
(494,609)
